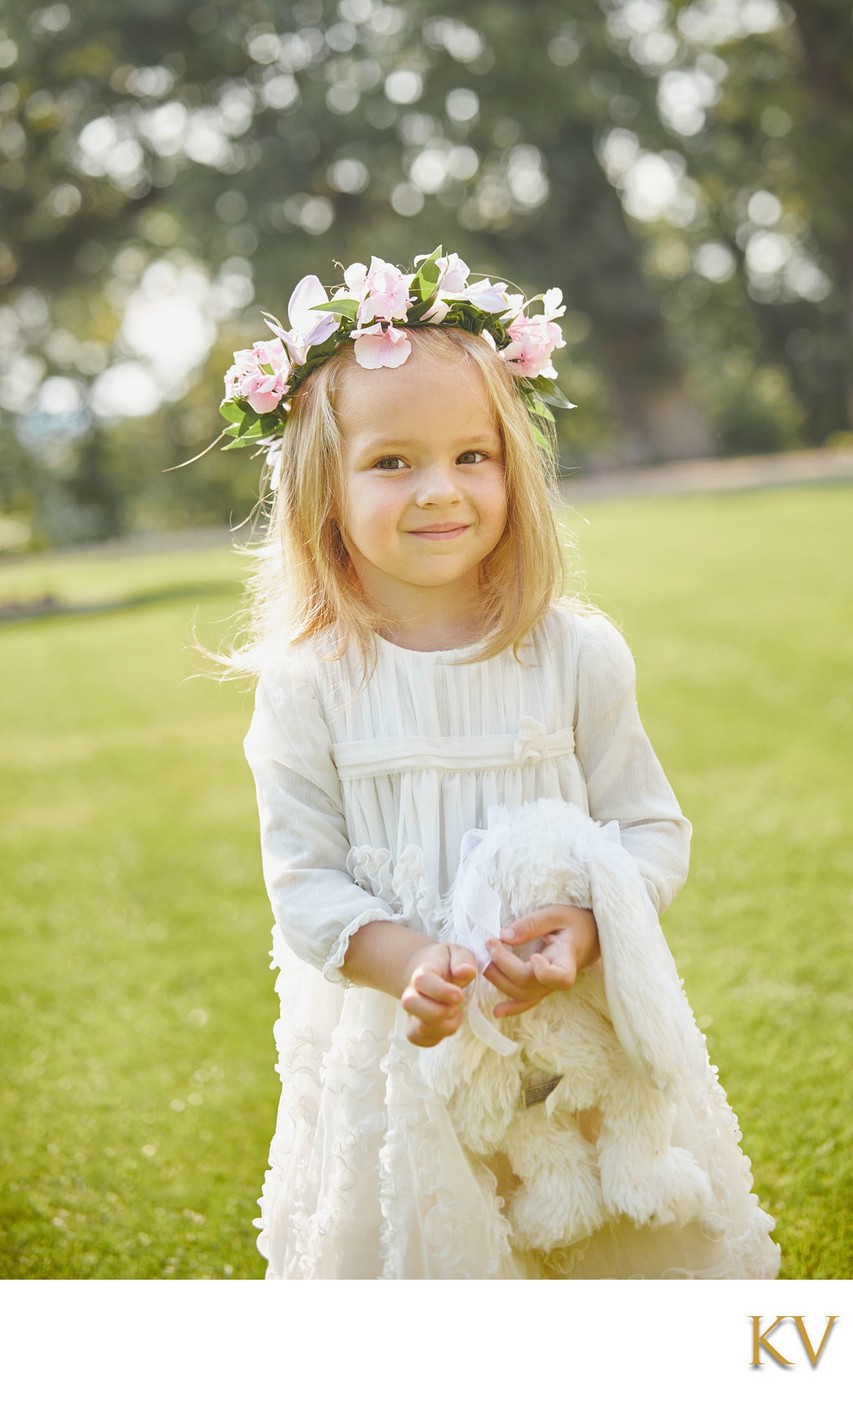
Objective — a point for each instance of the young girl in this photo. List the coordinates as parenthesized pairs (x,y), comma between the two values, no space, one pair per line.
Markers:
(417,664)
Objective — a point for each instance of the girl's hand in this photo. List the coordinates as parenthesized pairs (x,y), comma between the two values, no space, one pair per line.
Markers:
(433,997)
(570,943)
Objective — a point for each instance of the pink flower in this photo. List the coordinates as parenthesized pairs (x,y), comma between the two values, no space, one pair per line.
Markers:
(244,364)
(534,339)
(259,375)
(264,393)
(380,346)
(382,291)
(271,353)
(454,272)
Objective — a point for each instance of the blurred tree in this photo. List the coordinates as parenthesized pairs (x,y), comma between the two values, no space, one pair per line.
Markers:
(762,100)
(680,169)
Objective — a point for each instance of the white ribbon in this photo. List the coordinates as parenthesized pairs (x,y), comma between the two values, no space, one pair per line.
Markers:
(587,845)
(477,919)
(534,743)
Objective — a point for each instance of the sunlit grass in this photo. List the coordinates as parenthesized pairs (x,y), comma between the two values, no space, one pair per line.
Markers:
(102,576)
(139,1092)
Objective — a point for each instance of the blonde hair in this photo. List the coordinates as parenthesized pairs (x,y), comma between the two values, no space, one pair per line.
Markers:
(303,582)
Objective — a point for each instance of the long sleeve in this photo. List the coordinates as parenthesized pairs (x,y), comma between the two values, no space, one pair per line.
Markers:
(625,781)
(304,843)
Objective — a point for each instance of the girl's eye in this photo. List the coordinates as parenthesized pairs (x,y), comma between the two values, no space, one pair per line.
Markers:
(390,463)
(472,456)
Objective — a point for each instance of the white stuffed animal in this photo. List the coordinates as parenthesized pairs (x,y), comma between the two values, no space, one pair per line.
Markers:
(595,1144)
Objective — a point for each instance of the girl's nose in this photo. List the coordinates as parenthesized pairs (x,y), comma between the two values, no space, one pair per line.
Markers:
(438,483)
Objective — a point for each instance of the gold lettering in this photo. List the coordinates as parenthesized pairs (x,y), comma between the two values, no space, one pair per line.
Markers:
(814,1356)
(759,1340)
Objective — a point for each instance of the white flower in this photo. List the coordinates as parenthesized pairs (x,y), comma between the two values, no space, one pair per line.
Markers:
(552,304)
(436,313)
(489,297)
(454,273)
(308,327)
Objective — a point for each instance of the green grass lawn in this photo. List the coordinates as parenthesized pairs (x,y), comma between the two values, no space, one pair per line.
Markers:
(139,1092)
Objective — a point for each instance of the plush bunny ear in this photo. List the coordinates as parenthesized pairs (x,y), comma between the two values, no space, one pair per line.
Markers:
(650,1013)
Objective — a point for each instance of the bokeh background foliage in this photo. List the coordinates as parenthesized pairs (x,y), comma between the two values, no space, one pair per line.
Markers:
(680,169)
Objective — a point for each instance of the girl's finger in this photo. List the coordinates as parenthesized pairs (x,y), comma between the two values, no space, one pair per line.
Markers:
(435,987)
(540,923)
(512,966)
(423,1008)
(504,984)
(426,1036)
(514,1007)
(463,968)
(552,976)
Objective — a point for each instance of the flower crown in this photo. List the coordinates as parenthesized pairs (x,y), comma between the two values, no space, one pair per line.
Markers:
(372,308)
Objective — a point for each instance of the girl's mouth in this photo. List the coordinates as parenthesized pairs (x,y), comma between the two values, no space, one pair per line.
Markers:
(441,532)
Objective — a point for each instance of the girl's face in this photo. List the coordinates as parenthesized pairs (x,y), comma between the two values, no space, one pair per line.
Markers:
(423,481)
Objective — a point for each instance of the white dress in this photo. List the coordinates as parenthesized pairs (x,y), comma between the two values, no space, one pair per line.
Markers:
(364,793)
